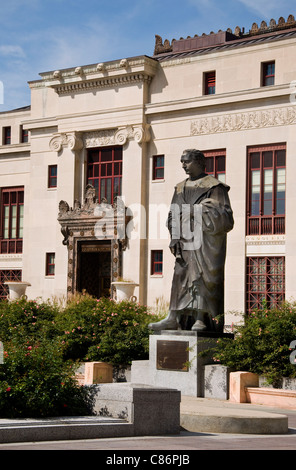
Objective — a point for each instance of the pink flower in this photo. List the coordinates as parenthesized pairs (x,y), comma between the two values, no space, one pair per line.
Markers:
(8,389)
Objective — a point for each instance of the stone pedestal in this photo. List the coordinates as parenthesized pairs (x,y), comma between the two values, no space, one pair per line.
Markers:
(175,361)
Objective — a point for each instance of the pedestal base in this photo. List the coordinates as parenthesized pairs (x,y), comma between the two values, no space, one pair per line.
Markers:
(175,361)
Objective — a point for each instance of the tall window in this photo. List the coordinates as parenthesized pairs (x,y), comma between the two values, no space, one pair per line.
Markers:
(215,163)
(7,135)
(24,135)
(12,217)
(210,83)
(268,71)
(265,282)
(104,172)
(158,167)
(266,190)
(52,176)
(50,264)
(156,262)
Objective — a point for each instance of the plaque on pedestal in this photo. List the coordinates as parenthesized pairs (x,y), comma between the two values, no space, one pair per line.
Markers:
(172,355)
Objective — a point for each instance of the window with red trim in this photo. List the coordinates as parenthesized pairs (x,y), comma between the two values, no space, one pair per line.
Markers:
(158,167)
(50,264)
(266,190)
(104,172)
(156,262)
(265,282)
(215,163)
(268,73)
(12,217)
(52,176)
(210,83)
(24,135)
(7,135)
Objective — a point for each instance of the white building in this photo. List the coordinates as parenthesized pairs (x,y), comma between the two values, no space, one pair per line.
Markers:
(121,126)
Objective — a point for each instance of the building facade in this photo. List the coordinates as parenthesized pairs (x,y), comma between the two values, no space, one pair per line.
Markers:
(96,132)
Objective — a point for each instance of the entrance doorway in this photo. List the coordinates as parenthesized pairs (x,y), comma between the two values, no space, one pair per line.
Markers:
(94,268)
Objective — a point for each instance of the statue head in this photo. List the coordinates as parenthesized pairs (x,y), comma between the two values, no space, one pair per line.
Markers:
(196,155)
(193,162)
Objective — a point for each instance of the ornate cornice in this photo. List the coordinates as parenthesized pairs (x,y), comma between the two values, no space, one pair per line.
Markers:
(244,121)
(104,82)
(71,140)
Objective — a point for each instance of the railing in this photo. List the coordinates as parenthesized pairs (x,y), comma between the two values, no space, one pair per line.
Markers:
(273,225)
(11,246)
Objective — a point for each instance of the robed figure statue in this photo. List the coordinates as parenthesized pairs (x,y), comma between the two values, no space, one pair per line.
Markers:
(200,217)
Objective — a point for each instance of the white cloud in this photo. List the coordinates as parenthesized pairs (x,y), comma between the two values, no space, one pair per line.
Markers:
(12,51)
(268,8)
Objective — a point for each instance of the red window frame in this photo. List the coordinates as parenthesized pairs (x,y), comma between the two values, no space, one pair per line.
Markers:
(50,264)
(210,83)
(158,167)
(7,135)
(265,282)
(52,176)
(8,275)
(11,237)
(268,73)
(260,220)
(216,163)
(24,135)
(104,172)
(156,262)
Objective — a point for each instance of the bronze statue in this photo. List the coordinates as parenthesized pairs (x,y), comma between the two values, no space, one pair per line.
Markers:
(200,217)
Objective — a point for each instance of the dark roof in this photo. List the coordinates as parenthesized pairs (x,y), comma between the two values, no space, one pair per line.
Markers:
(223,40)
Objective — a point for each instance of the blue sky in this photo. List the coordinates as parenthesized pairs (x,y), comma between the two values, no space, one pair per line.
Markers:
(42,35)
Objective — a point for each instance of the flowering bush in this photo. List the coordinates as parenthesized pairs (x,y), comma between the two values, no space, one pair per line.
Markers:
(35,381)
(104,330)
(28,318)
(261,344)
(43,341)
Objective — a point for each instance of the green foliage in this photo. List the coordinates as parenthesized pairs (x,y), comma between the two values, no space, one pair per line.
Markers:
(104,330)
(261,344)
(36,381)
(45,341)
(28,318)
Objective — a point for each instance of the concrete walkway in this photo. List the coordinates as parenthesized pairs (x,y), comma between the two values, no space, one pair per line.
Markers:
(243,429)
(220,416)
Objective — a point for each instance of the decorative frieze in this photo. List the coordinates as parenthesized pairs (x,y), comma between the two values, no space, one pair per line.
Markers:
(118,136)
(244,121)
(252,240)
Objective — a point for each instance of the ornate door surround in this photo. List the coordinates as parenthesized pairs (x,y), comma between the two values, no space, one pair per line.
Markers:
(93,222)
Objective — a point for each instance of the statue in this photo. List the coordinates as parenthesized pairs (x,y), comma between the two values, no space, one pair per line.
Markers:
(200,217)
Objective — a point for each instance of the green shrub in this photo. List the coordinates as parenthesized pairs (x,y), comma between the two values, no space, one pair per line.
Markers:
(31,317)
(261,344)
(104,330)
(36,381)
(43,342)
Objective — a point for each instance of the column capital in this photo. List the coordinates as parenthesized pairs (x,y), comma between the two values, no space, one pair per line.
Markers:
(71,140)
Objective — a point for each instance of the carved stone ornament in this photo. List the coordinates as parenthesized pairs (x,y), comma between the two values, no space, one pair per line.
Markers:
(118,136)
(93,226)
(99,220)
(244,121)
(71,140)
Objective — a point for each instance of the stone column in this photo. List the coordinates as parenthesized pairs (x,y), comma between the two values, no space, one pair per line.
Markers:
(68,145)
